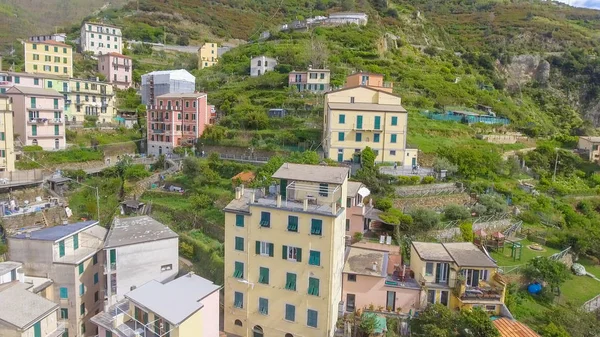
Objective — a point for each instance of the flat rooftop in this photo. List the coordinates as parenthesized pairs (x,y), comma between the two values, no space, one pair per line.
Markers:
(175,301)
(361,261)
(57,233)
(22,308)
(466,254)
(312,173)
(138,229)
(591,138)
(7,266)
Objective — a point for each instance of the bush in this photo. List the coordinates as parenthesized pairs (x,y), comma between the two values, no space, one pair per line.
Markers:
(358,236)
(479,209)
(32,148)
(456,212)
(425,219)
(466,231)
(494,204)
(412,180)
(383,204)
(428,180)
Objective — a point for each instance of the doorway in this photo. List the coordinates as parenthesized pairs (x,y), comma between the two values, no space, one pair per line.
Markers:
(390,303)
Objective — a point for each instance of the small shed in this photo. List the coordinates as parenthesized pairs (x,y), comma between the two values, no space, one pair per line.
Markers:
(58,184)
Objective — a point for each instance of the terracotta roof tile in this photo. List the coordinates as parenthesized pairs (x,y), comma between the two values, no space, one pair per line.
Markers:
(245,176)
(511,328)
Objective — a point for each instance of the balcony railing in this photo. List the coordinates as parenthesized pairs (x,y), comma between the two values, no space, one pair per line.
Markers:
(158,131)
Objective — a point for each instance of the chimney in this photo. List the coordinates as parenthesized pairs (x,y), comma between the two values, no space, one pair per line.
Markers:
(374,266)
(253,197)
(242,189)
(305,205)
(278,200)
(333,208)
(238,193)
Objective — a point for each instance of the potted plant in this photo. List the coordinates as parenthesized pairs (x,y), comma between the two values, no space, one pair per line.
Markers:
(371,307)
(380,308)
(389,308)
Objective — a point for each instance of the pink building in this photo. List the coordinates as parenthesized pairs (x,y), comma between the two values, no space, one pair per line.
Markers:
(9,79)
(373,277)
(175,120)
(117,69)
(38,117)
(356,209)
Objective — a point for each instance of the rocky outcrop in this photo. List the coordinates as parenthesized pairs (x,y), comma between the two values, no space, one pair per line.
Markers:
(524,69)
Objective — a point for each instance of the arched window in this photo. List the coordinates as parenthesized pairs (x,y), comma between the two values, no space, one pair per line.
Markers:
(34,142)
(238,322)
(289,335)
(257,331)
(259,63)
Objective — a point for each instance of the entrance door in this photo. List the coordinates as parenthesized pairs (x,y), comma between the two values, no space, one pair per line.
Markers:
(390,303)
(444,297)
(340,157)
(350,302)
(414,162)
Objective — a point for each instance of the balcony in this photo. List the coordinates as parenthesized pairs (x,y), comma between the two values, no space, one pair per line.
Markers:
(367,127)
(435,284)
(44,121)
(60,329)
(485,291)
(158,131)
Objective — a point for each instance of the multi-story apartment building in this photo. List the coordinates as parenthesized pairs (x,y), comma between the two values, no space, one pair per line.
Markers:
(458,275)
(313,80)
(85,98)
(48,58)
(185,307)
(208,55)
(117,68)
(100,38)
(38,117)
(261,64)
(70,256)
(138,250)
(10,79)
(7,137)
(284,254)
(58,37)
(159,83)
(356,209)
(175,120)
(357,117)
(370,80)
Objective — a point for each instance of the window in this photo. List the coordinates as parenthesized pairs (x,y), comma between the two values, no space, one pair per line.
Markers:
(376,138)
(46,48)
(64,50)
(81,289)
(323,189)
(264,248)
(239,243)
(314,258)
(428,269)
(392,152)
(313,286)
(2,136)
(351,99)
(36,57)
(166,267)
(82,309)
(92,43)
(265,219)
(96,296)
(290,313)
(17,80)
(34,46)
(313,75)
(55,69)
(292,253)
(431,296)
(321,87)
(358,137)
(316,227)
(36,81)
(96,278)
(263,306)
(292,224)
(238,299)
(393,138)
(237,322)
(239,218)
(80,268)
(33,101)
(61,244)
(95,259)
(57,59)
(312,318)
(351,277)
(64,292)
(83,328)
(263,275)
(342,119)
(394,121)
(64,313)
(377,122)
(340,136)
(290,281)
(239,270)
(347,225)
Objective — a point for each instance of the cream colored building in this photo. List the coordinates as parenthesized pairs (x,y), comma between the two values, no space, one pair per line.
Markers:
(7,145)
(284,254)
(48,58)
(208,55)
(591,147)
(357,117)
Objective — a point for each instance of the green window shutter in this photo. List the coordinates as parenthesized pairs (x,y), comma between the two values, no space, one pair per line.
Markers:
(377,122)
(323,190)
(239,270)
(238,299)
(257,247)
(239,243)
(271,249)
(292,223)
(34,130)
(2,137)
(80,268)
(290,281)
(315,258)
(95,259)
(109,333)
(82,309)
(290,313)
(376,138)
(359,121)
(394,137)
(342,119)
(340,136)
(113,256)
(61,247)
(56,130)
(37,329)
(64,313)
(145,318)
(156,324)
(299,254)
(81,289)
(263,275)
(284,252)
(263,306)
(358,137)
(64,292)
(316,227)
(265,219)
(96,278)
(394,121)
(312,318)
(239,220)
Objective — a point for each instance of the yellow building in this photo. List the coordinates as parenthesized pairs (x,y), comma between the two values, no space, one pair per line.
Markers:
(284,254)
(7,145)
(458,275)
(185,307)
(362,116)
(208,55)
(49,58)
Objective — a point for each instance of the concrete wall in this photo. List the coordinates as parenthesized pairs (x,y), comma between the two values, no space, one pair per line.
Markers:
(210,315)
(140,263)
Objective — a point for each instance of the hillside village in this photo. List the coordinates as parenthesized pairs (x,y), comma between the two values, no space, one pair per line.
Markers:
(330,176)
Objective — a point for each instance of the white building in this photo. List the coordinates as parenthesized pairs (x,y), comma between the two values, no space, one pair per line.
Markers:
(341,18)
(138,250)
(163,82)
(58,37)
(11,271)
(101,38)
(261,64)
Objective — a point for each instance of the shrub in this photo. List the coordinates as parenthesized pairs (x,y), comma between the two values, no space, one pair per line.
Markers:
(494,204)
(479,209)
(428,180)
(383,204)
(358,236)
(456,212)
(425,219)
(466,231)
(32,148)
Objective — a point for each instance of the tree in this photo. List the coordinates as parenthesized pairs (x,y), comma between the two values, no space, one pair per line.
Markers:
(436,320)
(368,323)
(543,269)
(348,5)
(191,167)
(473,161)
(395,217)
(368,159)
(383,204)
(493,203)
(456,212)
(466,231)
(425,219)
(476,323)
(444,164)
(552,330)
